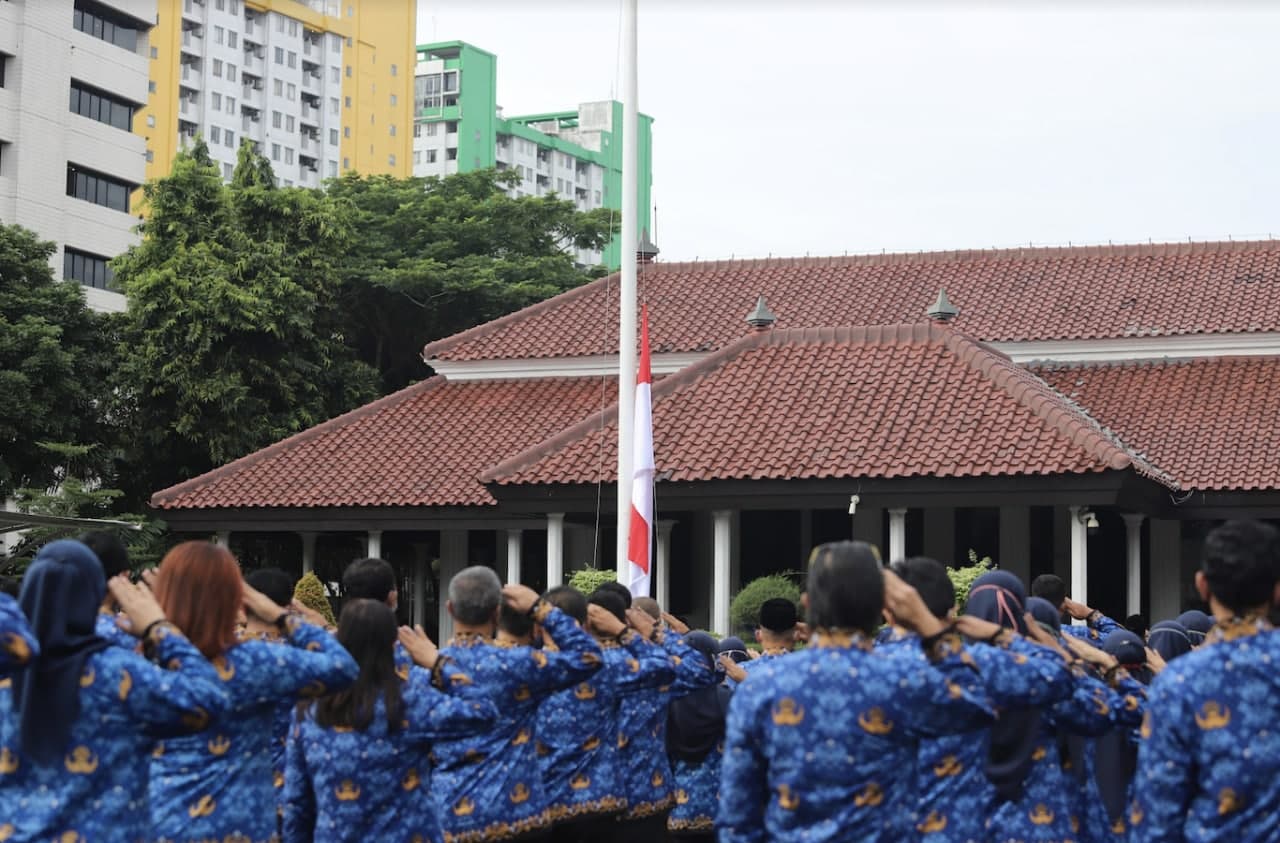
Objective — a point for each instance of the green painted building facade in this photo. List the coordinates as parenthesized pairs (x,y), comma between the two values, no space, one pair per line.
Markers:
(574,154)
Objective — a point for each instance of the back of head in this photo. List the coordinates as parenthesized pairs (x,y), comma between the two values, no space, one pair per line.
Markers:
(1137,624)
(1127,648)
(778,615)
(474,595)
(1045,613)
(705,644)
(845,587)
(569,600)
(731,646)
(997,597)
(200,590)
(369,579)
(1240,561)
(61,592)
(111,552)
(929,578)
(514,623)
(1051,588)
(649,606)
(608,598)
(1169,639)
(367,630)
(619,589)
(272,582)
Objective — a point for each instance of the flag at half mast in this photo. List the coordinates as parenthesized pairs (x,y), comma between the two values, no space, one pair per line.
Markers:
(640,544)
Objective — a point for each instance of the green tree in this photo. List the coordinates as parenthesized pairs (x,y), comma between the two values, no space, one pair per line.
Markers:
(744,611)
(231,340)
(55,356)
(437,256)
(963,577)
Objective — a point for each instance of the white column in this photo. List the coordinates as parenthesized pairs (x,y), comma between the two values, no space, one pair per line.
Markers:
(373,544)
(1166,569)
(421,571)
(308,552)
(1014,553)
(897,535)
(663,564)
(514,538)
(1079,556)
(555,549)
(1133,560)
(721,555)
(453,558)
(222,538)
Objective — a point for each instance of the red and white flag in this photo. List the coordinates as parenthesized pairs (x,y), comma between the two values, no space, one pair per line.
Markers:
(640,544)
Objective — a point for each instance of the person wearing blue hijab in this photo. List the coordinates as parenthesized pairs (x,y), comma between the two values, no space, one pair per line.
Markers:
(77,726)
(1045,614)
(1169,639)
(1197,624)
(18,645)
(695,747)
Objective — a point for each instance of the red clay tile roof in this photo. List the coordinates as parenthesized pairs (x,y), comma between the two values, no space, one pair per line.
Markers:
(423,446)
(1003,295)
(894,401)
(1213,424)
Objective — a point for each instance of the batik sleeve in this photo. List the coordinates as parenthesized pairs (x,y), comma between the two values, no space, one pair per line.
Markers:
(1166,777)
(431,713)
(299,797)
(180,692)
(944,695)
(311,663)
(1131,698)
(691,670)
(744,786)
(577,657)
(1018,673)
(648,666)
(18,645)
(1090,710)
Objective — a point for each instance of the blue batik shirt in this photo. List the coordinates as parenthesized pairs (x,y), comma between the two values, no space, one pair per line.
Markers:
(18,645)
(106,626)
(1209,763)
(578,730)
(821,745)
(99,791)
(488,786)
(218,783)
(953,795)
(1096,629)
(345,786)
(642,729)
(697,793)
(764,658)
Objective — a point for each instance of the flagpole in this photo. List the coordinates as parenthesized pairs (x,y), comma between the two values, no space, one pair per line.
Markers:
(627,293)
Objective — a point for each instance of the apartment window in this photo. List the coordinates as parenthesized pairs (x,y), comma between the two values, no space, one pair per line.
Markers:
(220,5)
(393,99)
(101,22)
(293,28)
(279,24)
(351,11)
(333,105)
(151,121)
(216,99)
(395,71)
(276,119)
(155,52)
(291,91)
(417,157)
(97,188)
(275,152)
(451,154)
(215,135)
(290,123)
(217,68)
(333,137)
(451,82)
(98,105)
(151,156)
(229,138)
(451,127)
(89,270)
(391,160)
(231,71)
(347,101)
(234,8)
(348,71)
(151,87)
(335,75)
(417,130)
(335,43)
(288,155)
(279,55)
(219,35)
(333,169)
(293,59)
(231,105)
(233,39)
(349,41)
(432,129)
(346,131)
(431,156)
(346,163)
(393,130)
(278,87)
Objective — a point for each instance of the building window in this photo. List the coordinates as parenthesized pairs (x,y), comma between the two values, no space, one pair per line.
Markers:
(151,87)
(290,123)
(393,100)
(348,71)
(151,121)
(229,138)
(426,91)
(233,39)
(231,71)
(235,7)
(151,156)
(346,131)
(89,270)
(293,28)
(335,43)
(155,52)
(217,68)
(98,105)
(395,71)
(101,22)
(293,59)
(277,86)
(431,156)
(333,137)
(221,6)
(217,101)
(231,105)
(277,119)
(279,55)
(346,101)
(279,24)
(417,130)
(346,163)
(333,105)
(451,82)
(393,130)
(215,134)
(288,155)
(335,75)
(291,91)
(451,154)
(275,152)
(228,172)
(219,35)
(333,169)
(432,129)
(97,188)
(451,127)
(391,160)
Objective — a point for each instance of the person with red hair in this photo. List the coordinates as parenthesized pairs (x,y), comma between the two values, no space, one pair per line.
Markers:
(217,783)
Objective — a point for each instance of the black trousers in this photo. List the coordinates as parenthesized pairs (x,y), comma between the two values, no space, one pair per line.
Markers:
(648,830)
(589,830)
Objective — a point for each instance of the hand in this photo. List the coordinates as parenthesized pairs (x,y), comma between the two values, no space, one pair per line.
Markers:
(421,648)
(1079,611)
(731,668)
(261,606)
(753,654)
(802,631)
(977,628)
(1155,661)
(907,607)
(137,602)
(149,577)
(641,621)
(520,597)
(1090,653)
(677,626)
(309,614)
(603,622)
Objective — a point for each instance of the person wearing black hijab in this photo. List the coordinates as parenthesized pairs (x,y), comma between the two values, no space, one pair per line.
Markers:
(1169,639)
(76,727)
(695,746)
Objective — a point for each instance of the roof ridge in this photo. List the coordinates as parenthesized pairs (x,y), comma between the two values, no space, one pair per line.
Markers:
(372,408)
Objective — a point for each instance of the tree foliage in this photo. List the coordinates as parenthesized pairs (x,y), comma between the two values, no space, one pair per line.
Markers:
(589,579)
(744,611)
(438,256)
(55,354)
(962,578)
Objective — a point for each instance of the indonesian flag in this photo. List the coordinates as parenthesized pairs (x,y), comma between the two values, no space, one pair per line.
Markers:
(640,543)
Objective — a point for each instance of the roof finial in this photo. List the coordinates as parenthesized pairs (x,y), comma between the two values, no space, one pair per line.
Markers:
(943,310)
(646,250)
(762,317)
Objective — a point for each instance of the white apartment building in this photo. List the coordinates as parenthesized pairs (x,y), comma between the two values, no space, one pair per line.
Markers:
(266,77)
(72,75)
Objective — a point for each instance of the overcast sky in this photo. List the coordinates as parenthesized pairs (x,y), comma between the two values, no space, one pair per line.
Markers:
(805,127)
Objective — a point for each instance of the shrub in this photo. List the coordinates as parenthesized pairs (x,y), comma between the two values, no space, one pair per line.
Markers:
(962,578)
(744,611)
(588,580)
(310,593)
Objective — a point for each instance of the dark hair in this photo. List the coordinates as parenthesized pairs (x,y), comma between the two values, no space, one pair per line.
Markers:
(111,552)
(1240,562)
(1137,624)
(514,623)
(619,589)
(778,614)
(367,629)
(569,600)
(369,579)
(609,599)
(272,582)
(846,586)
(929,577)
(1051,588)
(10,586)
